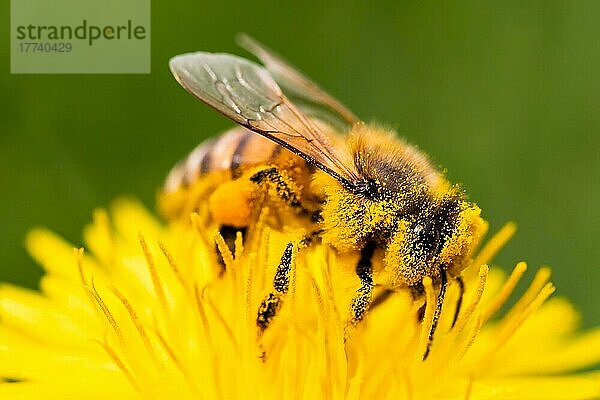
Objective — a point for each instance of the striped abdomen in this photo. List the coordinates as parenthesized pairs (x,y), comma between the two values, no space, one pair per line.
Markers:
(234,149)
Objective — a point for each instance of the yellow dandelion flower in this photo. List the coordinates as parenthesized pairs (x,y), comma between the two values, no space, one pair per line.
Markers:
(148,313)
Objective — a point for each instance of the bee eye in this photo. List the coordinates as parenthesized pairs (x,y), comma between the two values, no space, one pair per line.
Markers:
(369,188)
(426,236)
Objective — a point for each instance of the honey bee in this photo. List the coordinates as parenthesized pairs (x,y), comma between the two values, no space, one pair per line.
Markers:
(355,186)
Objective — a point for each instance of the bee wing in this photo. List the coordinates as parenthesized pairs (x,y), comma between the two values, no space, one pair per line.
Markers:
(247,94)
(313,100)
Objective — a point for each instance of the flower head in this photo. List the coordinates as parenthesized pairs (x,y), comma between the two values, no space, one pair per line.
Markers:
(148,312)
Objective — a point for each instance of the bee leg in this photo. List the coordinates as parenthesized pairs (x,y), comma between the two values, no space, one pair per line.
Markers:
(271,304)
(461,293)
(438,310)
(310,238)
(229,234)
(364,270)
(284,188)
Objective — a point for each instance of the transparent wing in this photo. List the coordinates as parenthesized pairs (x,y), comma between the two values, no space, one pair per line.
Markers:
(247,94)
(313,100)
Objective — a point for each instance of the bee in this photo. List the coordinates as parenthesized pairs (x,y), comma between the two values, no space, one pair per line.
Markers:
(355,186)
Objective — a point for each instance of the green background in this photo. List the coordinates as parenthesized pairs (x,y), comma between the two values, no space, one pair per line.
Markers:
(505,95)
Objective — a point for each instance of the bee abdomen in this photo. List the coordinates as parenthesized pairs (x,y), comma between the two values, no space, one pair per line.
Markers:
(233,150)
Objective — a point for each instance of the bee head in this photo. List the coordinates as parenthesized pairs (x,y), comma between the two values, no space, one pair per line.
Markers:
(443,235)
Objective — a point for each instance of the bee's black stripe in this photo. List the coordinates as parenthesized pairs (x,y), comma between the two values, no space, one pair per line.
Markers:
(237,158)
(276,151)
(207,158)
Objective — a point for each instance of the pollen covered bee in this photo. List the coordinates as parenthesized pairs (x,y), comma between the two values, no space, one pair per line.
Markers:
(354,186)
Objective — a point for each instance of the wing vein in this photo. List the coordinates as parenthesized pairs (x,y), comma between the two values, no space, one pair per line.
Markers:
(247,94)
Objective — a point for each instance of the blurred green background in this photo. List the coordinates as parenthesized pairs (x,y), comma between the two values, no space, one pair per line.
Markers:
(505,95)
